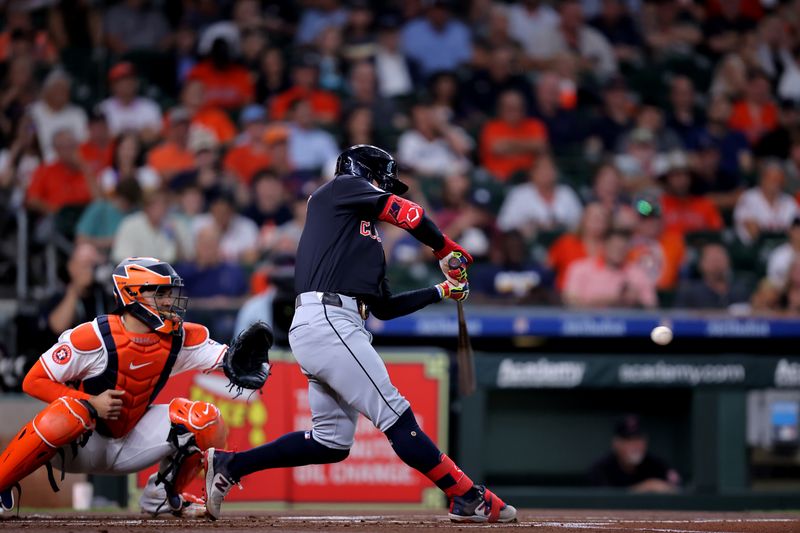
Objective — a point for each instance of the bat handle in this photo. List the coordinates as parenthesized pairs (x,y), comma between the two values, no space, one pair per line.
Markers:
(454,262)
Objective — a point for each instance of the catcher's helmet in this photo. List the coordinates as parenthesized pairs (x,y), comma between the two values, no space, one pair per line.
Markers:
(371,163)
(150,290)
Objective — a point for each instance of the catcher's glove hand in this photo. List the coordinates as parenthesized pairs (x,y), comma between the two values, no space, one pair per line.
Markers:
(246,363)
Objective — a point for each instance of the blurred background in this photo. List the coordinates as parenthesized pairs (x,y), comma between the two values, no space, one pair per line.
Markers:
(613,165)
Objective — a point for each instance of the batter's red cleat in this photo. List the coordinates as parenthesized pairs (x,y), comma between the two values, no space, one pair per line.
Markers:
(485,507)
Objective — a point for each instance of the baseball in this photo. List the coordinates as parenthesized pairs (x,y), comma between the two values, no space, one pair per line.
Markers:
(661,335)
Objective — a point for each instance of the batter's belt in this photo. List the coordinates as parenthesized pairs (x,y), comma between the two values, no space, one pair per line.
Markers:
(331,298)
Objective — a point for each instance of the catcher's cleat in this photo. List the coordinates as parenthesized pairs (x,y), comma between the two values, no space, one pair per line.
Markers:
(485,507)
(218,481)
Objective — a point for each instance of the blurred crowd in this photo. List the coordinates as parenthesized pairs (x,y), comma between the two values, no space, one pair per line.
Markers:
(588,153)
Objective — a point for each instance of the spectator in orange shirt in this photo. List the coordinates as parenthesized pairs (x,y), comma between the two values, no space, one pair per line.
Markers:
(511,142)
(587,241)
(250,154)
(173,155)
(756,114)
(97,151)
(61,183)
(685,212)
(658,251)
(228,85)
(305,73)
(202,114)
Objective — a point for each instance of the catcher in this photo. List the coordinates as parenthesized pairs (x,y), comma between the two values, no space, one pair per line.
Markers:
(100,380)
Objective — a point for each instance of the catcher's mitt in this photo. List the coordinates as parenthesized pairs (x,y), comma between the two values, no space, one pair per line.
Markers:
(246,362)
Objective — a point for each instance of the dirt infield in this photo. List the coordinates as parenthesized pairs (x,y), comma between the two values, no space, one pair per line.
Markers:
(540,521)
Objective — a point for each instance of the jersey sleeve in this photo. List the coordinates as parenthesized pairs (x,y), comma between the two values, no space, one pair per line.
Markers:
(199,351)
(360,195)
(78,354)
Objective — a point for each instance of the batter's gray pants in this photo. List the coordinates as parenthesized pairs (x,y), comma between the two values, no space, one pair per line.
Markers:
(346,376)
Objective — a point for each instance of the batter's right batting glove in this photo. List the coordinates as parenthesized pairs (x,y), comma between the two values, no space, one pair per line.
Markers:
(454,291)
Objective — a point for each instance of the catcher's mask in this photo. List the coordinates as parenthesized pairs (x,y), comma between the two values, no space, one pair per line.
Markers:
(371,163)
(150,290)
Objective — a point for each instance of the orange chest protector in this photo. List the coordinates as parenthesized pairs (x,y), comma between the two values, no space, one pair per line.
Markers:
(137,364)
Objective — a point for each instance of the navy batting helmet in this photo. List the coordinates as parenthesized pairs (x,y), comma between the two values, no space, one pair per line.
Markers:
(371,163)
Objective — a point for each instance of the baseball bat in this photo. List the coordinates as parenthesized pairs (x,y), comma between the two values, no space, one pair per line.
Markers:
(464,355)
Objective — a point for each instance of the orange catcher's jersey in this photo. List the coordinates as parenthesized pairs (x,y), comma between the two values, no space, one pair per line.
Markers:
(102,354)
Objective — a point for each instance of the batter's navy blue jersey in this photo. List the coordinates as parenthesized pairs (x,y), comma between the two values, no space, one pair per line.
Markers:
(340,249)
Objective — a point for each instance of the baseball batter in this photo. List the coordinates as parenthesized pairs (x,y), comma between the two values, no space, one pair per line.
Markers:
(99,381)
(340,277)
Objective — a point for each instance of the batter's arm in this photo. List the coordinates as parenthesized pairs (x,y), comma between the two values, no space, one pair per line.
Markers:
(404,303)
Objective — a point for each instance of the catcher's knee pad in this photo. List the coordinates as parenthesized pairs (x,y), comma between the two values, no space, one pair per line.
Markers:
(57,425)
(196,426)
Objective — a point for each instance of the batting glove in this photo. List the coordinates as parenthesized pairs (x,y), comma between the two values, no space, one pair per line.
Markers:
(455,274)
(449,247)
(454,291)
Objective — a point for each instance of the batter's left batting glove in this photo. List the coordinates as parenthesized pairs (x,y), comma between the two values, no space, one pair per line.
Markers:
(454,291)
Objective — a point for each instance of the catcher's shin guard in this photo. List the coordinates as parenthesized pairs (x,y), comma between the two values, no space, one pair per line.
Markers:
(196,427)
(57,425)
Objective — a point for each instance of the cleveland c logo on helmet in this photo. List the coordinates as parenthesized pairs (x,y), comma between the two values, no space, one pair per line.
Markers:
(137,275)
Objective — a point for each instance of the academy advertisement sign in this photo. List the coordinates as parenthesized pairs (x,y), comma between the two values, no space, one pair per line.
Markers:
(372,472)
(567,372)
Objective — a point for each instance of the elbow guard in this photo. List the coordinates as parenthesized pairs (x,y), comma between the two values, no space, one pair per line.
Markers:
(402,213)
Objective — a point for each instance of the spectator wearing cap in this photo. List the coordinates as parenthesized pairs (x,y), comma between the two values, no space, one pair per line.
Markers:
(276,138)
(640,161)
(529,18)
(660,252)
(54,112)
(586,241)
(511,142)
(615,119)
(63,182)
(572,34)
(99,222)
(630,465)
(128,164)
(756,113)
(239,234)
(608,279)
(173,155)
(765,207)
(484,87)
(781,258)
(395,74)
(250,153)
(152,232)
(777,142)
(310,147)
(437,41)
(227,84)
(433,147)
(209,276)
(541,204)
(509,276)
(125,109)
(204,115)
(97,150)
(614,22)
(316,19)
(683,211)
(684,117)
(720,156)
(134,25)
(305,86)
(207,170)
(717,288)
